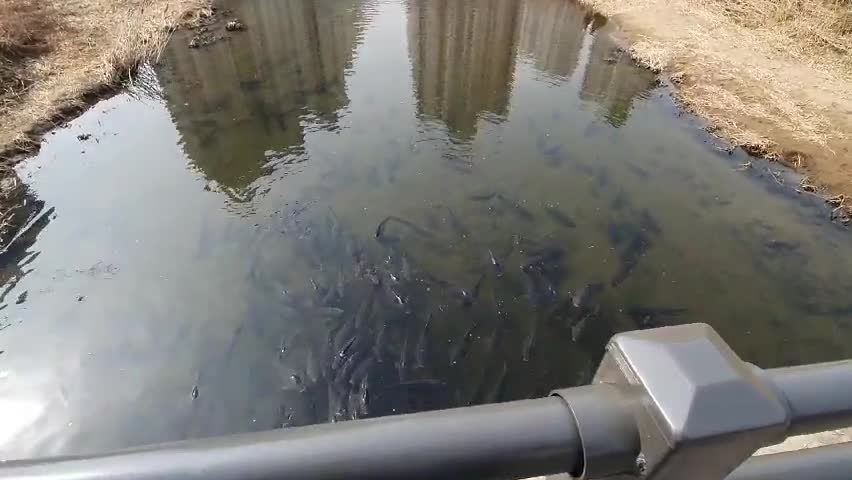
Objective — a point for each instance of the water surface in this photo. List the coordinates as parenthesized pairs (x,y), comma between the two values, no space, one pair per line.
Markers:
(361,208)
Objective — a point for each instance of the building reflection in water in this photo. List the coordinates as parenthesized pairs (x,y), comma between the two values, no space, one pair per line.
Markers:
(463,59)
(243,104)
(613,80)
(552,33)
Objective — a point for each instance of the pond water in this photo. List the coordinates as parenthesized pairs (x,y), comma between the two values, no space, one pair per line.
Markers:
(361,208)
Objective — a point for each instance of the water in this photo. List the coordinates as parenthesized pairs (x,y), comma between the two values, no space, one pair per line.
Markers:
(214,259)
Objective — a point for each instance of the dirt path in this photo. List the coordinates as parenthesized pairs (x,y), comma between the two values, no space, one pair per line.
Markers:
(767,87)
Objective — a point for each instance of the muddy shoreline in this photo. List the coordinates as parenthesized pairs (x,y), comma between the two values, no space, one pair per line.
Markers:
(760,89)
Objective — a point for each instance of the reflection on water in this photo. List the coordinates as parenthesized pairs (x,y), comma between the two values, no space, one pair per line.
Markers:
(360,208)
(463,58)
(288,74)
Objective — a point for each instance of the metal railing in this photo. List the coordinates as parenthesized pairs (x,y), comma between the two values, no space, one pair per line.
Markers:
(668,403)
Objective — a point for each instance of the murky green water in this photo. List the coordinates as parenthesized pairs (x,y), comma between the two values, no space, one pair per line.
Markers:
(215,259)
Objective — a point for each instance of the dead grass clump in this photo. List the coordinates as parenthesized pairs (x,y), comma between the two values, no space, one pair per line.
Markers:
(26,28)
(819,25)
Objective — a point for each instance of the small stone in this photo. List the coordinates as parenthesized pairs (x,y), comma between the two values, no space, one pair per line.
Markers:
(234,25)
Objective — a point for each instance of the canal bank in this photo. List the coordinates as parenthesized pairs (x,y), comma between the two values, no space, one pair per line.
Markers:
(772,77)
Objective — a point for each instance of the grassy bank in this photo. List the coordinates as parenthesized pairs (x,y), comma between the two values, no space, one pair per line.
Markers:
(56,57)
(773,76)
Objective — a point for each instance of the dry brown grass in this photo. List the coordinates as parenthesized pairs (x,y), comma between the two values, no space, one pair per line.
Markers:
(819,26)
(57,56)
(773,76)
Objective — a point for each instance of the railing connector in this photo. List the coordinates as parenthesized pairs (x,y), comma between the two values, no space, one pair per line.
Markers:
(700,410)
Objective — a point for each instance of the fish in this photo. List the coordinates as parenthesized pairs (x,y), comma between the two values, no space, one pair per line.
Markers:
(379,346)
(361,370)
(396,297)
(582,297)
(364,396)
(389,240)
(380,229)
(469,296)
(648,223)
(344,333)
(342,353)
(619,202)
(345,373)
(403,356)
(557,216)
(529,341)
(498,267)
(645,316)
(630,258)
(493,394)
(456,224)
(365,310)
(460,349)
(482,197)
(194,393)
(578,328)
(540,259)
(516,208)
(312,367)
(421,351)
(405,268)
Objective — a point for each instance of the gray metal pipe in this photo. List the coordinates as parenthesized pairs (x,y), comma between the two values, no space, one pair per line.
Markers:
(819,395)
(501,441)
(833,462)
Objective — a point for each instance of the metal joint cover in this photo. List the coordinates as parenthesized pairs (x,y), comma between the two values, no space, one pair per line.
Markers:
(702,411)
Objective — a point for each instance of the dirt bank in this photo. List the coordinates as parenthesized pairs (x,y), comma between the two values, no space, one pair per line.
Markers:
(58,56)
(772,76)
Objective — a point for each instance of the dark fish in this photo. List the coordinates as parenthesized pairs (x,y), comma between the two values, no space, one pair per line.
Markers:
(586,294)
(343,353)
(460,349)
(498,267)
(516,208)
(557,216)
(578,328)
(630,258)
(540,259)
(456,224)
(403,356)
(645,316)
(493,394)
(648,223)
(405,268)
(380,229)
(344,333)
(363,397)
(619,202)
(469,296)
(297,381)
(529,342)
(482,197)
(361,370)
(345,374)
(365,310)
(379,346)
(389,240)
(421,351)
(194,392)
